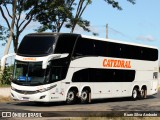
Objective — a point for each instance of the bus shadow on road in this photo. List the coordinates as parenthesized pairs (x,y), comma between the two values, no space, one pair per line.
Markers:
(125,99)
(98,101)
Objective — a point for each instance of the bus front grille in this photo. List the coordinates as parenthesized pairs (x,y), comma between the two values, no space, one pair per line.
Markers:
(26,92)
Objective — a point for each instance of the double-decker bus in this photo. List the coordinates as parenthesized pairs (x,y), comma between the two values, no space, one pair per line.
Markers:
(66,67)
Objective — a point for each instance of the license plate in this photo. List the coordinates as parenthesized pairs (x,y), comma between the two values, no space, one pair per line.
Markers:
(25,98)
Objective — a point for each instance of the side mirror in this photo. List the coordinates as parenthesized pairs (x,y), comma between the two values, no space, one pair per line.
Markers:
(4,58)
(52,57)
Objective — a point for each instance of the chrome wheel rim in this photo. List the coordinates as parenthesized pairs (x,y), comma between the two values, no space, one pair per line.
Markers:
(134,93)
(84,95)
(70,96)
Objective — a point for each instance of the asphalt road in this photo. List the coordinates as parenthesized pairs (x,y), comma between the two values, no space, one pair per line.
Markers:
(152,103)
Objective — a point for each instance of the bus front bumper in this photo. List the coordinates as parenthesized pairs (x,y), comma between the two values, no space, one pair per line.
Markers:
(39,97)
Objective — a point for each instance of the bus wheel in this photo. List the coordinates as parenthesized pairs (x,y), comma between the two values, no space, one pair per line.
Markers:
(85,96)
(135,94)
(143,93)
(71,97)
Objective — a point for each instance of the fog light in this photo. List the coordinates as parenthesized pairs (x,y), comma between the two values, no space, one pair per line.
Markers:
(42,97)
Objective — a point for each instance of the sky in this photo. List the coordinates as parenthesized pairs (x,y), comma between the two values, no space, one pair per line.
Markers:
(139,23)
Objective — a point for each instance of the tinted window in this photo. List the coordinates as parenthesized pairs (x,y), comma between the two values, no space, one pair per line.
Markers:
(103,75)
(89,47)
(61,62)
(81,76)
(65,43)
(58,73)
(84,47)
(107,49)
(36,45)
(100,48)
(149,54)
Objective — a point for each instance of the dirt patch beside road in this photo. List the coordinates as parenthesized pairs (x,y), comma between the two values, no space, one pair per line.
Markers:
(5,94)
(5,91)
(5,99)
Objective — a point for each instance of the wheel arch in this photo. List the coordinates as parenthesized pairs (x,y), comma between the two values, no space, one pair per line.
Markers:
(136,86)
(144,87)
(86,87)
(71,88)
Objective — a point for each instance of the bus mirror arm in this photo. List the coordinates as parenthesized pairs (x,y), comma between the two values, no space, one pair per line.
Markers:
(3,59)
(51,57)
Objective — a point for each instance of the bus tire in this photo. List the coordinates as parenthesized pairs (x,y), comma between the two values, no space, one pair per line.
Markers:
(135,94)
(143,93)
(71,97)
(85,96)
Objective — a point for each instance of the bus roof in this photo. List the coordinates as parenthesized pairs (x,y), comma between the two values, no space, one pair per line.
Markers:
(51,33)
(117,41)
(95,38)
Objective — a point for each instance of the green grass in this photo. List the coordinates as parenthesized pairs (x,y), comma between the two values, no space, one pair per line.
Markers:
(4,85)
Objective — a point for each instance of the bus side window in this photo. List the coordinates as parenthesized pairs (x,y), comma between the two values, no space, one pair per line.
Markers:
(58,73)
(84,47)
(81,76)
(55,74)
(65,44)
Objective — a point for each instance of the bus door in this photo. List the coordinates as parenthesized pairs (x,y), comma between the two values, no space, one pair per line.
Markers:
(57,74)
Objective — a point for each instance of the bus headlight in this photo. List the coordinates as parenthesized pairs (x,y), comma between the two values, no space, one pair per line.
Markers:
(46,89)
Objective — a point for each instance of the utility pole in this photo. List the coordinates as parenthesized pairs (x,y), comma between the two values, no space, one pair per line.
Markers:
(106,31)
(10,34)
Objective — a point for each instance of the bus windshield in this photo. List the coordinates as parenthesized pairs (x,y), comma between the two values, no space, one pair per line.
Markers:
(29,73)
(35,44)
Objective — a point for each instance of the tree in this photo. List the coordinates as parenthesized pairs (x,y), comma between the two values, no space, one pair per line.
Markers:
(55,13)
(76,19)
(22,8)
(82,5)
(4,33)
(11,30)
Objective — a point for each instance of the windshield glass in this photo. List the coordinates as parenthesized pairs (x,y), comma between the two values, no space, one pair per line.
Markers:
(38,45)
(29,73)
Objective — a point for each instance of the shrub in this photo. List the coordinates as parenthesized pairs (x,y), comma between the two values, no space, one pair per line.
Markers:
(6,76)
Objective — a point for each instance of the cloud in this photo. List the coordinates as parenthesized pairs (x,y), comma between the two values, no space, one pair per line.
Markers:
(146,38)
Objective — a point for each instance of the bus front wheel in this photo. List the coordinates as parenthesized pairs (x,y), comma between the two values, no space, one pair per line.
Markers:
(71,97)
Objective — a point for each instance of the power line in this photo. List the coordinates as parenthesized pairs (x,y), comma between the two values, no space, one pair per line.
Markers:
(112,30)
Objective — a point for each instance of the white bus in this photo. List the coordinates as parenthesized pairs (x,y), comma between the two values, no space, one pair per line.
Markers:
(66,67)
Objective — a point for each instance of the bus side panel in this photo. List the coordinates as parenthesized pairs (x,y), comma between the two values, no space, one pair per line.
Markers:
(111,90)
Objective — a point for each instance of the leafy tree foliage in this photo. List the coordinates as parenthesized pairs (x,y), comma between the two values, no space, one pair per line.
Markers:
(23,16)
(6,76)
(3,34)
(77,19)
(54,14)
